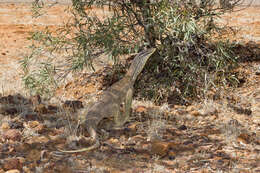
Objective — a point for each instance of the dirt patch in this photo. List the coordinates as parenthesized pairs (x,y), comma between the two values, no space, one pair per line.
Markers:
(16,23)
(247,22)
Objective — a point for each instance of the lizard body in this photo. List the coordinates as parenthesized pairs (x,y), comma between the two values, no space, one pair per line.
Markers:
(110,101)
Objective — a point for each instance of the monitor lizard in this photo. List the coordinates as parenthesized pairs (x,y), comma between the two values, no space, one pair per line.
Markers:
(111,99)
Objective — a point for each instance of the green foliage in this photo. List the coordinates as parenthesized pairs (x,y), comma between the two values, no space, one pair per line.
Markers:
(190,57)
(36,8)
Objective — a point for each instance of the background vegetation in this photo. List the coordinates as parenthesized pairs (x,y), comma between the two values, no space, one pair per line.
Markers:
(192,55)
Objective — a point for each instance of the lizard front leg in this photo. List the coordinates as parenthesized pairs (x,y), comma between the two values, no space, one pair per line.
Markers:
(122,116)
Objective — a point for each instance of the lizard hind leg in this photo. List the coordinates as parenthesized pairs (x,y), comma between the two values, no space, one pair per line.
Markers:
(96,145)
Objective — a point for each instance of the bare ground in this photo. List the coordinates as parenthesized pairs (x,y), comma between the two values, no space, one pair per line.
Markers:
(212,136)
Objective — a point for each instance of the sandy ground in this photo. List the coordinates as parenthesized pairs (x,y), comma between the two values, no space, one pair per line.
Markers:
(16,23)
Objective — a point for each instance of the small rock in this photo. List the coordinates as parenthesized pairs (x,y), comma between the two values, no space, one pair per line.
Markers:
(160,148)
(141,109)
(33,124)
(190,108)
(195,113)
(243,138)
(213,117)
(136,139)
(41,108)
(256,120)
(113,142)
(178,107)
(182,127)
(26,170)
(172,155)
(5,126)
(13,171)
(11,163)
(257,141)
(12,134)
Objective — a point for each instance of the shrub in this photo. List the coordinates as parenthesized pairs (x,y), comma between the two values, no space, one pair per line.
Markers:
(191,53)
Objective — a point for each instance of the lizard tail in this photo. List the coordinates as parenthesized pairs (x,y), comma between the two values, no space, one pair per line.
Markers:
(138,63)
(94,146)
